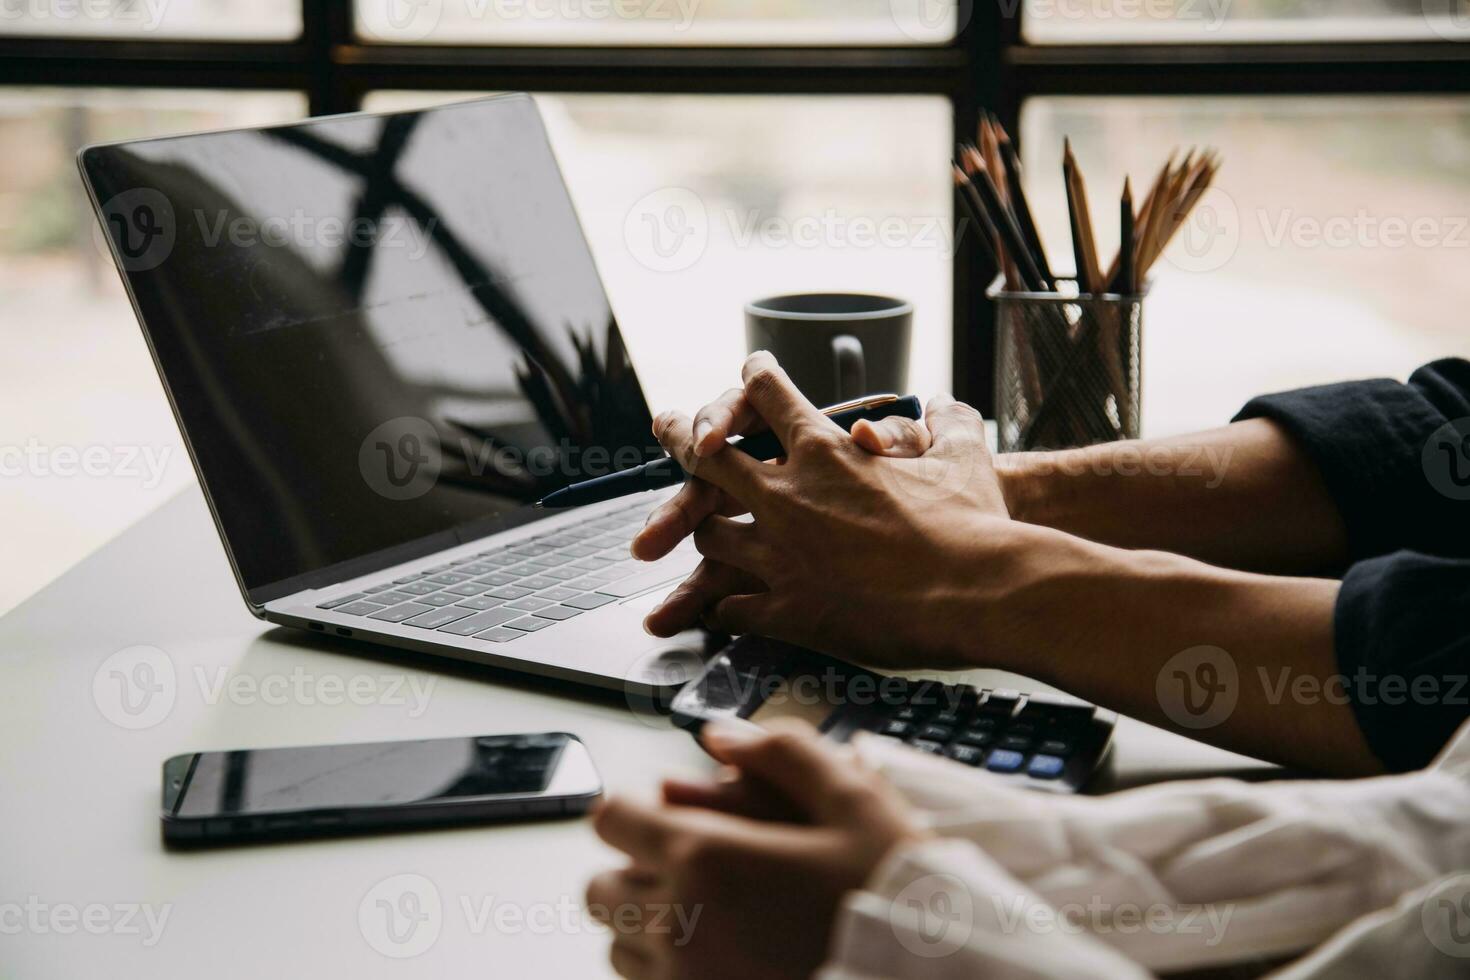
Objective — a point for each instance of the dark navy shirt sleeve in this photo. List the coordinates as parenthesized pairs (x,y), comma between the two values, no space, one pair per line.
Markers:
(1396,460)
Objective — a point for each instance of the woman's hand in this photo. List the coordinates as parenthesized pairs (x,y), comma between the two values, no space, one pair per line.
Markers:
(875,557)
(737,896)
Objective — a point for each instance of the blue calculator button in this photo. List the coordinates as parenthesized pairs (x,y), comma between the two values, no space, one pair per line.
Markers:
(1045,767)
(1004,760)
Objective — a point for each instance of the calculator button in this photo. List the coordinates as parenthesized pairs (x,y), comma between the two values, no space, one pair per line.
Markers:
(974,736)
(1045,767)
(1055,747)
(896,729)
(1004,760)
(967,754)
(1016,743)
(936,733)
(925,745)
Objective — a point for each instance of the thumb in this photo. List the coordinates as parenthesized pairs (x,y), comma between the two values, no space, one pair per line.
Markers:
(792,758)
(894,436)
(956,428)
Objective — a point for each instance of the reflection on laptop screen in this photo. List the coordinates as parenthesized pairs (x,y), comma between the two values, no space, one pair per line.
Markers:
(375,329)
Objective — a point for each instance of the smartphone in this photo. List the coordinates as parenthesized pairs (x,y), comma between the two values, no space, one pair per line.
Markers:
(264,794)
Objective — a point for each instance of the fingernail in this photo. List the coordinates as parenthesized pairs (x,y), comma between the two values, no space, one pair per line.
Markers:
(701,429)
(730,733)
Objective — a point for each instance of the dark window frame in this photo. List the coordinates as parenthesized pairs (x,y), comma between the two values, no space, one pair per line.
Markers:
(988,64)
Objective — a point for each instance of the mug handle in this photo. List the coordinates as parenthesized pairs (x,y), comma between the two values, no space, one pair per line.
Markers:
(852,373)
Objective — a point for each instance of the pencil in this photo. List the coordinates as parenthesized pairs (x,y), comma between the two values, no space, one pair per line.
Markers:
(1022,207)
(1125,282)
(1005,223)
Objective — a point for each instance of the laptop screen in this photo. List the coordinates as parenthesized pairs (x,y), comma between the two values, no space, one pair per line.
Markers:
(382,334)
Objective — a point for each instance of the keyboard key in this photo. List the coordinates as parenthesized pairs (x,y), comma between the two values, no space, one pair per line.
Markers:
(537,582)
(341,600)
(448,578)
(508,592)
(418,588)
(1045,767)
(558,612)
(439,599)
(500,558)
(553,560)
(480,621)
(439,617)
(394,597)
(936,733)
(563,574)
(467,588)
(379,588)
(1004,760)
(976,736)
(1016,743)
(635,584)
(967,754)
(529,603)
(499,634)
(925,745)
(477,568)
(559,594)
(592,564)
(1055,747)
(382,599)
(397,614)
(530,550)
(408,578)
(590,601)
(529,624)
(479,602)
(495,578)
(894,728)
(579,551)
(358,608)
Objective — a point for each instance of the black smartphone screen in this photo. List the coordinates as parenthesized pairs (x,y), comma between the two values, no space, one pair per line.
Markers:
(369,775)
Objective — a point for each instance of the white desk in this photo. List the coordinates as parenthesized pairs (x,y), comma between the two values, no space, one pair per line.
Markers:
(81,794)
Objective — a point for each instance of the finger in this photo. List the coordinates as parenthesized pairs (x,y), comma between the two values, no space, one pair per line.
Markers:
(736,796)
(792,758)
(956,429)
(707,584)
(734,543)
(632,961)
(744,613)
(895,436)
(735,473)
(640,831)
(611,889)
(729,415)
(776,399)
(676,518)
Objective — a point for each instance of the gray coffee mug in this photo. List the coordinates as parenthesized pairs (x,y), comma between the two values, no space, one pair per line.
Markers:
(835,346)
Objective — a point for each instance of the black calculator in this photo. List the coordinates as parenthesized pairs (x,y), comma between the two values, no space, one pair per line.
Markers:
(1042,741)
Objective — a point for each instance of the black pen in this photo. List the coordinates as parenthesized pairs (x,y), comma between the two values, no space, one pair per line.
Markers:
(763,445)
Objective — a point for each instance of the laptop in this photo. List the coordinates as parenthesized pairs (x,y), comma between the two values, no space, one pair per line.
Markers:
(384,337)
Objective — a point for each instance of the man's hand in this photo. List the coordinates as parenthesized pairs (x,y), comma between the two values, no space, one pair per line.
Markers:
(870,556)
(734,896)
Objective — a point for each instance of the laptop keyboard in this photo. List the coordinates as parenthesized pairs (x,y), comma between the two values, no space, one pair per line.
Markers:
(504,593)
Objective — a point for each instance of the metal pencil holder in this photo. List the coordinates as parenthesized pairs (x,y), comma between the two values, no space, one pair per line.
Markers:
(1066,367)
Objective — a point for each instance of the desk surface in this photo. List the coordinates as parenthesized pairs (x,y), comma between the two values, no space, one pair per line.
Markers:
(81,865)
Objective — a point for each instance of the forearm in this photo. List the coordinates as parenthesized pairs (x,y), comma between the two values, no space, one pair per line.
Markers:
(1241,496)
(1113,626)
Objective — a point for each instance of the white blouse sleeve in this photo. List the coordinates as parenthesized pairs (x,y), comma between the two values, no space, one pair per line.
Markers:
(1170,877)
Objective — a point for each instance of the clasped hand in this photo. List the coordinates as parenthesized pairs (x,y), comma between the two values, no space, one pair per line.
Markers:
(858,543)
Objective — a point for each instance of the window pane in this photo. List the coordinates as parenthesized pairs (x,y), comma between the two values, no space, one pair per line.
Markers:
(1164,21)
(658,22)
(154,19)
(753,196)
(1333,244)
(76,377)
